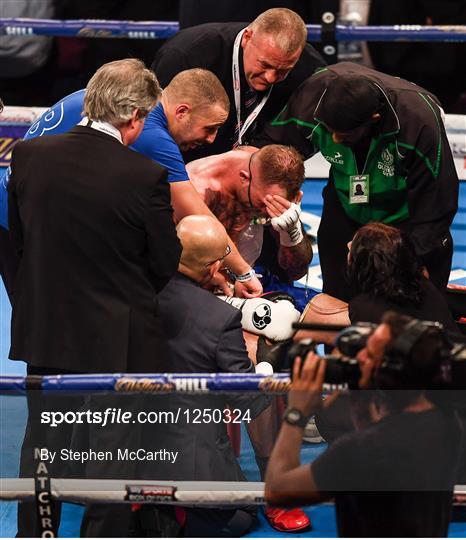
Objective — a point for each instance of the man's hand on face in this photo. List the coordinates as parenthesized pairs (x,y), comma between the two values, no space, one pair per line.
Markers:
(277,205)
(248,289)
(306,390)
(285,217)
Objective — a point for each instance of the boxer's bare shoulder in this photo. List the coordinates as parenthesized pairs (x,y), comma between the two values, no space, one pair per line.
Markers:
(207,175)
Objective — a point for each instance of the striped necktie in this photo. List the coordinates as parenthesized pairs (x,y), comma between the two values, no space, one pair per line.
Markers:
(249,103)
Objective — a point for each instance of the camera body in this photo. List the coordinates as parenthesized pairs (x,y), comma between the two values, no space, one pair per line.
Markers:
(339,369)
(397,369)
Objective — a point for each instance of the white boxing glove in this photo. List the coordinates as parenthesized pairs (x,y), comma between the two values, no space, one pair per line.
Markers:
(265,318)
(289,226)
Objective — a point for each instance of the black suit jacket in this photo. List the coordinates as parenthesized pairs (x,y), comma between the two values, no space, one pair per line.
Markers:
(92,222)
(204,336)
(210,46)
(204,333)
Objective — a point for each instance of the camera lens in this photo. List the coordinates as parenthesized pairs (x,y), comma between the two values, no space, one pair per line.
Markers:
(352,339)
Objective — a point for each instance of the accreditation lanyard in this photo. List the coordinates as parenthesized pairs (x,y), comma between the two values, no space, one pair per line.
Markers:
(237,90)
(104,127)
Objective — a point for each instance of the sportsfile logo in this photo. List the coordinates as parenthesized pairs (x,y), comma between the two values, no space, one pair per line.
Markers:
(336,158)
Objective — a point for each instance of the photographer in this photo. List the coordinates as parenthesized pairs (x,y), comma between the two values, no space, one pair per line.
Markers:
(394,475)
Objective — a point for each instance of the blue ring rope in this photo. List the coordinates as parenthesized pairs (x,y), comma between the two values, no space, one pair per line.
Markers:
(166,29)
(196,383)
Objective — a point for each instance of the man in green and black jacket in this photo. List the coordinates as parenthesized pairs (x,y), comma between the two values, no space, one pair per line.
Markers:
(390,161)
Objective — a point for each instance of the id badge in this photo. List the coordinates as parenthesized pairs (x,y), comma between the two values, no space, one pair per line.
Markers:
(359,189)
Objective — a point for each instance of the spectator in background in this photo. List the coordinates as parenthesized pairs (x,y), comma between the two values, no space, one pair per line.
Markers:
(26,62)
(194,12)
(354,13)
(443,73)
(94,51)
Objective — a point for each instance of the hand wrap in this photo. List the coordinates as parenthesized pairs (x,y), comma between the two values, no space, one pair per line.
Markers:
(289,226)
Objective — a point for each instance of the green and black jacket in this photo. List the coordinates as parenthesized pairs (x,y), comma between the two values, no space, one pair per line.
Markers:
(412,173)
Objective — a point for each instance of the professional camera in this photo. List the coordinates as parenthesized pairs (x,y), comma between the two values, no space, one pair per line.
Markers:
(341,369)
(449,372)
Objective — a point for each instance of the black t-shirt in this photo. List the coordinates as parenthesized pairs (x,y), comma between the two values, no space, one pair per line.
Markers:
(394,478)
(210,46)
(433,307)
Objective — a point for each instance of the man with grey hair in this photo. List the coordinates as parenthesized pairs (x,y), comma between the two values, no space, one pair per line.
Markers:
(249,60)
(104,226)
(193,107)
(259,65)
(92,223)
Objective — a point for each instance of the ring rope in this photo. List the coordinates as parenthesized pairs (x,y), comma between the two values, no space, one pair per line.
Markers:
(166,29)
(194,493)
(183,493)
(194,383)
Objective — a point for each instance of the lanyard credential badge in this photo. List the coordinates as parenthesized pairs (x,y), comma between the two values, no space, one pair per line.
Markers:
(237,91)
(359,189)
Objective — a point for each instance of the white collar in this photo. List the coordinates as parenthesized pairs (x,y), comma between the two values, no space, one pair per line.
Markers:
(104,127)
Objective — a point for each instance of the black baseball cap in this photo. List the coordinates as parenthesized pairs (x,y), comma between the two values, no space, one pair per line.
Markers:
(348,102)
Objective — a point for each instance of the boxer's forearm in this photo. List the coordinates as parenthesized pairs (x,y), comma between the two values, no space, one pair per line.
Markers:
(235,261)
(186,201)
(295,260)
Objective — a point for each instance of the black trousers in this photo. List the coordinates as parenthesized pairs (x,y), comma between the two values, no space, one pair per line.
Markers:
(43,436)
(8,262)
(336,230)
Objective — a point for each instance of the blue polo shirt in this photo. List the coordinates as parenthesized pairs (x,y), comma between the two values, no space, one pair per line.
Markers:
(154,142)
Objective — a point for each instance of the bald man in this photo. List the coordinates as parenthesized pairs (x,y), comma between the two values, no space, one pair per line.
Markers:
(204,333)
(204,336)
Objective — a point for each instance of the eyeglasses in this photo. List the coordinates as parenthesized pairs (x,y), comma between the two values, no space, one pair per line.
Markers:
(227,252)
